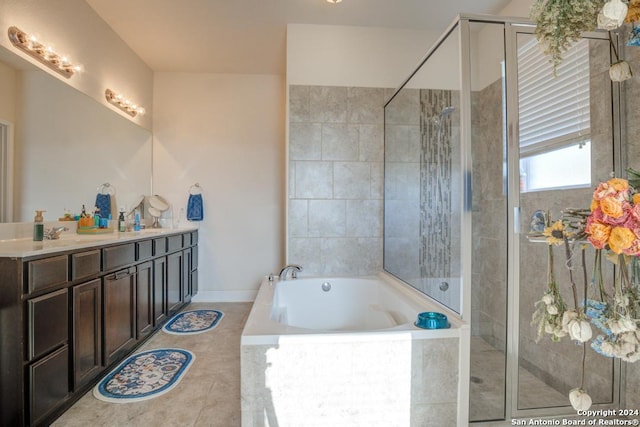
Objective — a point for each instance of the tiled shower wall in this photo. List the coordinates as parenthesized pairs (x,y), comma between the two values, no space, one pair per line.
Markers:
(335,179)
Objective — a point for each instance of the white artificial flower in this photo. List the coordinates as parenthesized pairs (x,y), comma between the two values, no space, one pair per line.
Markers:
(614,326)
(615,9)
(608,348)
(548,328)
(621,299)
(605,23)
(567,317)
(629,337)
(627,324)
(558,332)
(580,330)
(552,309)
(547,299)
(625,349)
(620,71)
(632,358)
(579,399)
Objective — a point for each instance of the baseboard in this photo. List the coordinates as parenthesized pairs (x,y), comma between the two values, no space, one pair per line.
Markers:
(225,296)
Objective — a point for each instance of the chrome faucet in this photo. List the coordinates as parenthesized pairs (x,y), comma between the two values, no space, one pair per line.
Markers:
(293,268)
(54,233)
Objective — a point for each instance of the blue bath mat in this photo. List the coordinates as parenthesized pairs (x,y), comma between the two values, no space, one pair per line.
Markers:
(193,322)
(144,375)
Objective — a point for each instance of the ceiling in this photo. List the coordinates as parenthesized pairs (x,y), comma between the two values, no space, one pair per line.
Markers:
(249,36)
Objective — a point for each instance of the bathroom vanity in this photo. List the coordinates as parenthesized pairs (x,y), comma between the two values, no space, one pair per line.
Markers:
(71,309)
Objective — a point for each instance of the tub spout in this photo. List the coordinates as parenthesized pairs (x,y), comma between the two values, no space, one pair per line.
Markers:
(293,268)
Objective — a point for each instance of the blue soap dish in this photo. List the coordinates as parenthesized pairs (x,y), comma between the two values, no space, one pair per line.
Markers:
(432,320)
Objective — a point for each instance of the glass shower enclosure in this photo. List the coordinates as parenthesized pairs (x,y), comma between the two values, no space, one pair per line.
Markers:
(479,141)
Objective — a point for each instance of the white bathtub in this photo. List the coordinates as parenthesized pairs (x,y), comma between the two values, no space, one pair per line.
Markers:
(341,304)
(350,356)
(357,305)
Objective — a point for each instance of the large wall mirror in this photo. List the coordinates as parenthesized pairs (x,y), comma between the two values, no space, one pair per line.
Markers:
(59,146)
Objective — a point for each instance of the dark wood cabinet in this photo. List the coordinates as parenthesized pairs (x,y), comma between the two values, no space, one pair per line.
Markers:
(48,323)
(160,311)
(87,332)
(175,279)
(48,384)
(75,314)
(144,299)
(119,291)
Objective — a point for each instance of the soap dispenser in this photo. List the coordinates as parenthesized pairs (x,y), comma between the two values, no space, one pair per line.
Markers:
(38,226)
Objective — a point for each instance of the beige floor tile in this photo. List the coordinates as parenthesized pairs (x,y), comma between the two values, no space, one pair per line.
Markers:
(208,395)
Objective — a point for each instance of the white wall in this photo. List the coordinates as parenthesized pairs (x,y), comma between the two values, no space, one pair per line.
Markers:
(331,55)
(72,28)
(225,132)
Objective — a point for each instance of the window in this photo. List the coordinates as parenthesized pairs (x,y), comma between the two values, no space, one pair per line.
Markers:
(555,149)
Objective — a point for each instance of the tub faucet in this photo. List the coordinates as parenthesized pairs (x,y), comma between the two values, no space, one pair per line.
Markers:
(54,233)
(293,268)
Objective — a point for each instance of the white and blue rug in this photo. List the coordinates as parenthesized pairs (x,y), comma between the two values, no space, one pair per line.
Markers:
(193,322)
(144,375)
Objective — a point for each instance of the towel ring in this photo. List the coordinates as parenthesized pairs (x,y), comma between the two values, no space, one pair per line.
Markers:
(195,189)
(107,188)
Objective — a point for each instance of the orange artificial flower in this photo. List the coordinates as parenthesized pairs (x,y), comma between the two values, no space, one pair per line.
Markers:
(594,205)
(618,184)
(636,198)
(598,234)
(611,207)
(621,238)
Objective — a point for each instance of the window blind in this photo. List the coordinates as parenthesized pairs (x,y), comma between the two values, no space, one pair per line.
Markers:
(554,111)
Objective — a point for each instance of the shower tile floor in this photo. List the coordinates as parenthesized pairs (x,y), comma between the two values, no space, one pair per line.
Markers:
(209,394)
(487,389)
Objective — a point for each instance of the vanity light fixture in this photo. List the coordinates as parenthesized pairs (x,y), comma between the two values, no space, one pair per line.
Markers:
(334,1)
(45,54)
(123,103)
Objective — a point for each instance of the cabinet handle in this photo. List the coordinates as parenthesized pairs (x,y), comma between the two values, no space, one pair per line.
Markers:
(120,274)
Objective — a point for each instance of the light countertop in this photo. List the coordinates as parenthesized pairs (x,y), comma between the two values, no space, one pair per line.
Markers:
(70,240)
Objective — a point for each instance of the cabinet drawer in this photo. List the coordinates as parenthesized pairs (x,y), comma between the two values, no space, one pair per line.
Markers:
(48,272)
(186,239)
(48,322)
(144,250)
(85,264)
(118,256)
(48,384)
(159,246)
(175,243)
(194,238)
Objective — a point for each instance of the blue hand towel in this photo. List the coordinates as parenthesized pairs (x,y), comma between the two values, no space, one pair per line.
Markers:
(195,212)
(103,202)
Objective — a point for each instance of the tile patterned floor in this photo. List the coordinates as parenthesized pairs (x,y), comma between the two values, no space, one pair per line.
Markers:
(486,394)
(209,394)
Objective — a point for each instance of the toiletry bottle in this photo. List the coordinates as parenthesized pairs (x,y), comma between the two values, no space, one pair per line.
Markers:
(122,226)
(84,212)
(136,222)
(96,217)
(38,227)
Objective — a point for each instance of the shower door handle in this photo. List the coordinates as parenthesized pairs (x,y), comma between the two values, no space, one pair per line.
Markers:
(516,219)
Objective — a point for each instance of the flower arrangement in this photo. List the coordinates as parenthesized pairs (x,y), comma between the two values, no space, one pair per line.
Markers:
(612,226)
(560,23)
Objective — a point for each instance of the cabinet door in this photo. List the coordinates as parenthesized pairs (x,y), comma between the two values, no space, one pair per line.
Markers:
(119,314)
(144,299)
(186,275)
(87,332)
(159,290)
(48,384)
(175,267)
